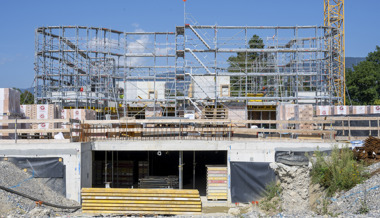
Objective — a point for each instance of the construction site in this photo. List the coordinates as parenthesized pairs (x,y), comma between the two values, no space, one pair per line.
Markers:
(167,123)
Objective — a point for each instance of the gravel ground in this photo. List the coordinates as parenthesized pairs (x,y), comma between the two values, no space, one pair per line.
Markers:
(362,196)
(14,205)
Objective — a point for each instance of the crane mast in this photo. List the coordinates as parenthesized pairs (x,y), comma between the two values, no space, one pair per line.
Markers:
(334,19)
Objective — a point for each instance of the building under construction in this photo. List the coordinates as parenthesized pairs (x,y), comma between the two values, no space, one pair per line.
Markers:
(186,72)
(204,107)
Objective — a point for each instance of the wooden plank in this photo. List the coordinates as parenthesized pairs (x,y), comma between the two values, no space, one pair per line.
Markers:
(217,181)
(171,209)
(33,130)
(127,190)
(36,121)
(141,202)
(217,171)
(218,194)
(217,168)
(217,174)
(141,205)
(217,184)
(202,121)
(139,198)
(345,118)
(140,212)
(355,128)
(247,131)
(217,198)
(141,195)
(216,191)
(211,178)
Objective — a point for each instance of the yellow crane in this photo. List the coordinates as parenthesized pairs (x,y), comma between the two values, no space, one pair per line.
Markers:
(334,18)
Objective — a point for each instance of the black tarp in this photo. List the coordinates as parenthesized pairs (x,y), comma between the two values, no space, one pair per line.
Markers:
(47,170)
(49,167)
(300,151)
(249,179)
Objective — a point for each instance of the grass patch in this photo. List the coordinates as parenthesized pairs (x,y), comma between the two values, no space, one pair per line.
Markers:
(271,203)
(339,171)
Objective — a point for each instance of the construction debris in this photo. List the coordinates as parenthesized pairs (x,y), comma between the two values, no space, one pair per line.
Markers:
(370,152)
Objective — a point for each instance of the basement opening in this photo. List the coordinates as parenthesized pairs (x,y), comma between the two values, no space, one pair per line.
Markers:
(154,169)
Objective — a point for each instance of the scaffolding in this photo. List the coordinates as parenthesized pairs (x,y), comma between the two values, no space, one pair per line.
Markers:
(174,74)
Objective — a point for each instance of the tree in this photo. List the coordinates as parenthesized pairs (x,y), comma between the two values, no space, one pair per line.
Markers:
(363,82)
(26,97)
(238,63)
(244,62)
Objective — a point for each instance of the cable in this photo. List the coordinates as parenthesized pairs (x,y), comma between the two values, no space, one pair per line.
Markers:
(37,200)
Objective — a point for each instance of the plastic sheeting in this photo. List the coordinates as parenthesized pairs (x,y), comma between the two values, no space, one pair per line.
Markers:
(300,151)
(42,167)
(49,171)
(249,179)
(293,160)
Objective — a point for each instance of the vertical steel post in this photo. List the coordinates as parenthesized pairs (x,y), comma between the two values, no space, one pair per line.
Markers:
(194,165)
(180,170)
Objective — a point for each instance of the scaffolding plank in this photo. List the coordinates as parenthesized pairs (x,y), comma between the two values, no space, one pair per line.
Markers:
(136,201)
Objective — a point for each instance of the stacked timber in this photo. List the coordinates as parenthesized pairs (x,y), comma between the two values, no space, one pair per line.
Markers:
(9,108)
(143,169)
(77,114)
(285,112)
(217,182)
(44,112)
(304,112)
(211,112)
(159,182)
(141,201)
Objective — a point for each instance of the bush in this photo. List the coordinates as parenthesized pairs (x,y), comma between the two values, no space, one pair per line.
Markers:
(271,202)
(339,171)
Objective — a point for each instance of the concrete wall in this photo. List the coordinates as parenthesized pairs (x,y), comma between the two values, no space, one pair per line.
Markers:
(246,151)
(204,86)
(134,89)
(86,165)
(69,152)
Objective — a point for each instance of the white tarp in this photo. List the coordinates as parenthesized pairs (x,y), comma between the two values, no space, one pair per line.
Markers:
(360,109)
(376,109)
(324,110)
(341,110)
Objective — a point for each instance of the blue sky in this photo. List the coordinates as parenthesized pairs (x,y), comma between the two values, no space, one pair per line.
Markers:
(19,18)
